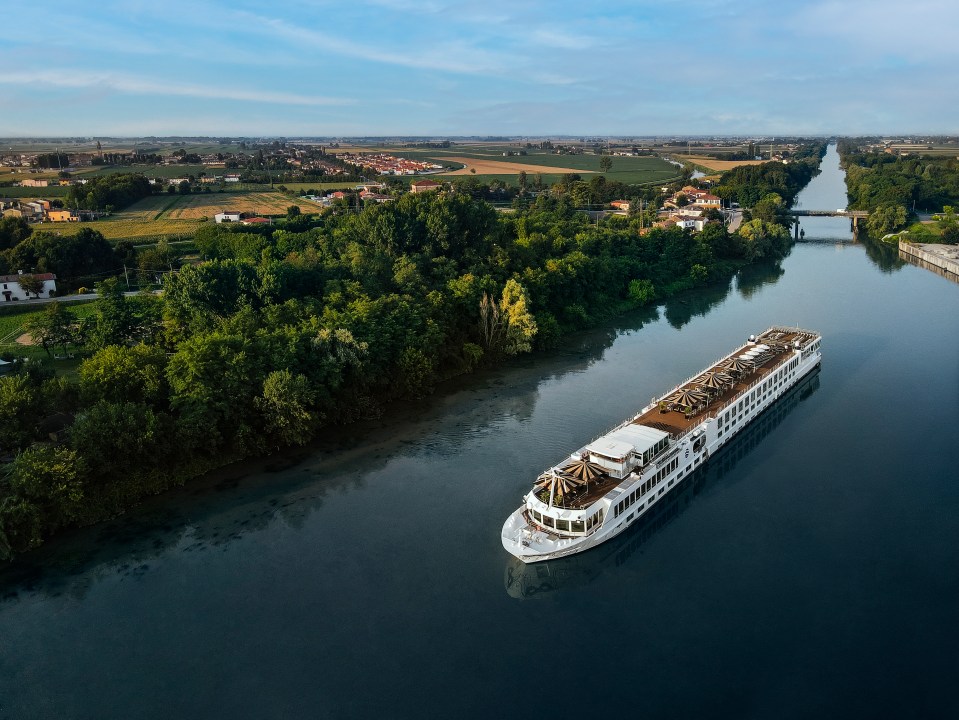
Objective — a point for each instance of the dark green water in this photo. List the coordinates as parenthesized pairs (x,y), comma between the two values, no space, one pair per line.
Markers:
(811,571)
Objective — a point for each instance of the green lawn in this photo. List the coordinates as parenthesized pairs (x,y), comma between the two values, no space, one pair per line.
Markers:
(14,317)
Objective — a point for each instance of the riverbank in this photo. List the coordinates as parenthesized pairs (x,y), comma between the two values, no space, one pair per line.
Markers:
(941,259)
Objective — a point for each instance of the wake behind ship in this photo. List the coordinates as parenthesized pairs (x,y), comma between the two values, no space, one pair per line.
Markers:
(602,488)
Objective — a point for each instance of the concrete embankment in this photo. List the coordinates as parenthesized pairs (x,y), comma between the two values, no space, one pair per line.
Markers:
(941,259)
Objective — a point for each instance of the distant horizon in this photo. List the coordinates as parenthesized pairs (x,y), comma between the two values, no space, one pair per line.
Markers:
(489,137)
(440,68)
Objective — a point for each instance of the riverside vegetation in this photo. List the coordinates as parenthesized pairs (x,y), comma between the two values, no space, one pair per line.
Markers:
(891,187)
(317,321)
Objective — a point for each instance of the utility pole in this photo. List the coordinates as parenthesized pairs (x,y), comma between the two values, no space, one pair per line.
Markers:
(126,275)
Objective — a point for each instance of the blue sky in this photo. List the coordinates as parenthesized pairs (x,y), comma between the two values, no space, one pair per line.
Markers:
(437,67)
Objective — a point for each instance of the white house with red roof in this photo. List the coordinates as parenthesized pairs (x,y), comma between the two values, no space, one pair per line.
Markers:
(10,288)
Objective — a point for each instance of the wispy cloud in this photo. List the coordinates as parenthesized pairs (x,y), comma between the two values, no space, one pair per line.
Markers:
(66,78)
(551,37)
(444,57)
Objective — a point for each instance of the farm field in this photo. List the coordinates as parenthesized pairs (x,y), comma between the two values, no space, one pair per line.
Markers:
(194,207)
(159,171)
(176,216)
(718,165)
(58,191)
(119,228)
(552,167)
(318,186)
(16,174)
(491,167)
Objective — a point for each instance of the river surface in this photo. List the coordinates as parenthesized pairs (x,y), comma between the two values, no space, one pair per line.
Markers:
(812,570)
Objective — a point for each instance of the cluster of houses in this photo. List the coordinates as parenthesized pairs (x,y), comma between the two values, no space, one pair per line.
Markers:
(203,180)
(372,192)
(688,209)
(38,211)
(388,164)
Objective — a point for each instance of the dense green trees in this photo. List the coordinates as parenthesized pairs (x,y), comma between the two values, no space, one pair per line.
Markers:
(75,259)
(891,186)
(748,184)
(885,218)
(13,231)
(54,327)
(764,239)
(109,191)
(284,330)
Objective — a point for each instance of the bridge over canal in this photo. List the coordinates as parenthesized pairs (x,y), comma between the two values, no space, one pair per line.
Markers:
(854,215)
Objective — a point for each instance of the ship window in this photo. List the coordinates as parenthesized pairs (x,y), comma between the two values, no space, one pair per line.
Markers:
(578,526)
(548,521)
(562,525)
(537,516)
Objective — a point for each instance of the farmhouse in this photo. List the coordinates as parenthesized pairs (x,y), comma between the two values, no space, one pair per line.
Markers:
(62,216)
(12,290)
(424,186)
(227,216)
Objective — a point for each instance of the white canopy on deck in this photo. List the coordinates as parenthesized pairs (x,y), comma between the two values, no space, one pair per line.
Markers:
(631,438)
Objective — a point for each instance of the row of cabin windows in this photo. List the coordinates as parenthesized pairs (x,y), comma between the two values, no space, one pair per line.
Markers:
(654,450)
(638,493)
(774,382)
(569,525)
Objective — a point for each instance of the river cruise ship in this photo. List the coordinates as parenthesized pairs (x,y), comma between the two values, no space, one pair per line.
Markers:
(602,488)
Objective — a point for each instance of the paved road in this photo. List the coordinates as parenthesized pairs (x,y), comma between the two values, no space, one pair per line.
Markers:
(735,220)
(65,298)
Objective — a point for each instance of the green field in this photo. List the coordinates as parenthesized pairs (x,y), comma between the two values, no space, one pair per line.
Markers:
(159,171)
(13,320)
(630,170)
(35,192)
(299,187)
(139,231)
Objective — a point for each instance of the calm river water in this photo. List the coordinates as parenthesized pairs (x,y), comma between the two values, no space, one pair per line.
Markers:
(811,571)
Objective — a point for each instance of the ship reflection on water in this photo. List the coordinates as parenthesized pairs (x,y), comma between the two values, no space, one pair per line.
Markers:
(530,581)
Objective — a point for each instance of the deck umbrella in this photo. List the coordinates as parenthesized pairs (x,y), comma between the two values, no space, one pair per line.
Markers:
(739,366)
(559,485)
(584,471)
(712,382)
(724,378)
(687,398)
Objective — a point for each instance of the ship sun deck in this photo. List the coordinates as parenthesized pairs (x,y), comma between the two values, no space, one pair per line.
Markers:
(677,420)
